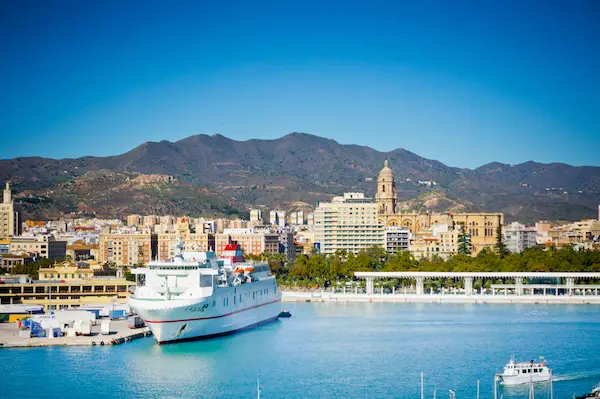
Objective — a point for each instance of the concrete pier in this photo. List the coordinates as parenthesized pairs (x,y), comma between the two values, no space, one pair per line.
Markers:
(328,296)
(120,333)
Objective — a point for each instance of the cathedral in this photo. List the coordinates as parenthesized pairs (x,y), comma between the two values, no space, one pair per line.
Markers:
(480,226)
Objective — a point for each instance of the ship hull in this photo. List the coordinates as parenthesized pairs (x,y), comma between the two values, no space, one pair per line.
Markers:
(229,310)
(525,379)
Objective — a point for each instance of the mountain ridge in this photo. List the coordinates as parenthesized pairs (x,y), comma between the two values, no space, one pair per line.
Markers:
(307,168)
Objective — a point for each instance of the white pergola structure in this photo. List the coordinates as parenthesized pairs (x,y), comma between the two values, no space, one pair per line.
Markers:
(468,277)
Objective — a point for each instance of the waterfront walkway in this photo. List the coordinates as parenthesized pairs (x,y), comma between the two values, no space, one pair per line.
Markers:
(328,296)
(120,333)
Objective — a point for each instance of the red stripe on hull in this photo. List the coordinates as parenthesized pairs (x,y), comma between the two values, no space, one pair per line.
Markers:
(211,317)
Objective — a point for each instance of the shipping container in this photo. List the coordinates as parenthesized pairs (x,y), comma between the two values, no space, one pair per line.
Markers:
(105,327)
(135,322)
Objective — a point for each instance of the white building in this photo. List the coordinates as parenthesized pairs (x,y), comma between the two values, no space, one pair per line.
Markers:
(277,218)
(518,237)
(348,223)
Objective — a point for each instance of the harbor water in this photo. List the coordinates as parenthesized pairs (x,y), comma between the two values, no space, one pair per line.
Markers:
(330,350)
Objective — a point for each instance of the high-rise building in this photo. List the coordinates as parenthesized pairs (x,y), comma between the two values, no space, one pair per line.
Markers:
(10,217)
(347,223)
(297,218)
(277,218)
(518,237)
(256,217)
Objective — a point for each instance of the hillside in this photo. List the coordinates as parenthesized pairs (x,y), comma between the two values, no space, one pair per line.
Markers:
(305,168)
(115,194)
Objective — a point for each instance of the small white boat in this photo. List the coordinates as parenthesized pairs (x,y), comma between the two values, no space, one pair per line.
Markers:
(524,372)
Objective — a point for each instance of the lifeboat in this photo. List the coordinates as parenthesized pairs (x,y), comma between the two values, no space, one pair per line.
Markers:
(249,269)
(239,270)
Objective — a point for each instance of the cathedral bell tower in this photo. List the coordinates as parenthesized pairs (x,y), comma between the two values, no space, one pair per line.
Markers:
(386,191)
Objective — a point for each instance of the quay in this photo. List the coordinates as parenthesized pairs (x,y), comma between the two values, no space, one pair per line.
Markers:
(328,296)
(528,287)
(120,333)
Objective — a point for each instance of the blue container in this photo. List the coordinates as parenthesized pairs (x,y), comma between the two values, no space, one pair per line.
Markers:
(116,314)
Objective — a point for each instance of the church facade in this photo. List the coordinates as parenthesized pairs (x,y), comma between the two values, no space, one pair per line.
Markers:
(481,226)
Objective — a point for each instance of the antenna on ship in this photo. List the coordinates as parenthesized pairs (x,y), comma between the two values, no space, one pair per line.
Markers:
(434,392)
(422,387)
(477,389)
(258,388)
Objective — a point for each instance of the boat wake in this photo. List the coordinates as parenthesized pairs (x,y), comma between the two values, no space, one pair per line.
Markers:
(576,376)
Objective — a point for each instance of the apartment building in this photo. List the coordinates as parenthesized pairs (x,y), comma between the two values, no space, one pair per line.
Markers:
(127,249)
(397,239)
(192,242)
(42,246)
(518,237)
(347,223)
(251,242)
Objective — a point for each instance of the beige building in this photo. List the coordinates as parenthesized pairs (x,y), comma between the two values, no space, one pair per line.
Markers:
(251,242)
(192,242)
(150,220)
(67,271)
(440,242)
(126,249)
(347,223)
(134,220)
(79,250)
(10,218)
(70,294)
(480,225)
(42,246)
(256,217)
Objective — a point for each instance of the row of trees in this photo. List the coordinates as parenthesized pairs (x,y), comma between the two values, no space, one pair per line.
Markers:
(309,270)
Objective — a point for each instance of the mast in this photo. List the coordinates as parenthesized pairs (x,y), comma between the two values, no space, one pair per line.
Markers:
(422,387)
(531,392)
(551,387)
(477,389)
(434,392)
(496,386)
(258,388)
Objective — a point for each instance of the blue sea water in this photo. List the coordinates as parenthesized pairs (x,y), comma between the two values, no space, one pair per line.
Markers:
(329,350)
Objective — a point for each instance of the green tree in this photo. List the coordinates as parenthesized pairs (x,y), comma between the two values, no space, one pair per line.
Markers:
(464,243)
(500,245)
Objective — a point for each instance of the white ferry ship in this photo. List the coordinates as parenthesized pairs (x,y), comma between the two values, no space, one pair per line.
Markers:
(196,295)
(524,372)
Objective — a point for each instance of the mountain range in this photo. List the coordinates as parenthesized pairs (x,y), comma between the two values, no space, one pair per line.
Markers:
(215,175)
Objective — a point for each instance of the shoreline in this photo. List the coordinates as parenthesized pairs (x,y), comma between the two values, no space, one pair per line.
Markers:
(324,296)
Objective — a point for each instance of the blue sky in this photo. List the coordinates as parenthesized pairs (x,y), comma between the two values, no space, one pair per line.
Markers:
(463,82)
